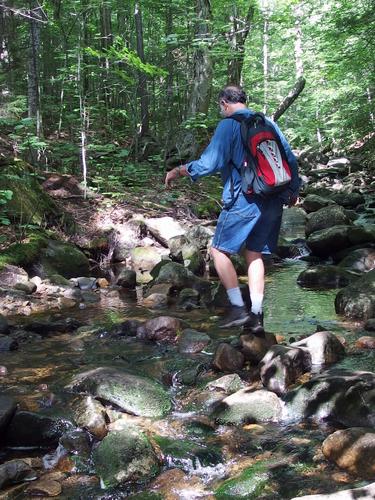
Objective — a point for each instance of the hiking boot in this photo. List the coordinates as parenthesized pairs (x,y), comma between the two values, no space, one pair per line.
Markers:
(255,323)
(236,316)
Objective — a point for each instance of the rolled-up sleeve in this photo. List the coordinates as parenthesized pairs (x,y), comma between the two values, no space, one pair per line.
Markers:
(216,155)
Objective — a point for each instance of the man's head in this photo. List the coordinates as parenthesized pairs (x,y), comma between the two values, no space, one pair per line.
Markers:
(231,99)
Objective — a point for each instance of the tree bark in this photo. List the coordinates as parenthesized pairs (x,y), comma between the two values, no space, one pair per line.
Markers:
(33,72)
(298,41)
(142,79)
(202,64)
(289,99)
(265,55)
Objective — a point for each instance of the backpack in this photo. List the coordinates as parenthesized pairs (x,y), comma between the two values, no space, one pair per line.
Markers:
(265,169)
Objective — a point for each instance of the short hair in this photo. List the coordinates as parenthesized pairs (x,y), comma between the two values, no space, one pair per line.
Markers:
(233,94)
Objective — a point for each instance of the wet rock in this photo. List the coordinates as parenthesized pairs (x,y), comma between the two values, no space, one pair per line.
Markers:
(102,282)
(53,326)
(91,415)
(175,245)
(4,326)
(162,329)
(144,258)
(370,325)
(74,294)
(281,367)
(155,301)
(61,258)
(188,299)
(325,277)
(293,223)
(227,384)
(314,202)
(184,485)
(164,228)
(66,303)
(15,471)
(127,278)
(35,430)
(132,393)
(193,259)
(323,347)
(200,235)
(84,283)
(7,343)
(191,341)
(24,337)
(228,359)
(348,200)
(127,328)
(12,275)
(44,487)
(7,409)
(339,395)
(249,484)
(245,406)
(362,260)
(366,342)
(28,287)
(325,218)
(180,277)
(362,493)
(254,347)
(353,450)
(90,297)
(357,300)
(125,455)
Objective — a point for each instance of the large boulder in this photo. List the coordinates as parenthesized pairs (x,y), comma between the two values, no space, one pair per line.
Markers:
(11,276)
(357,300)
(164,228)
(245,406)
(323,347)
(339,395)
(132,393)
(361,259)
(348,200)
(324,277)
(125,455)
(293,223)
(13,472)
(29,429)
(7,409)
(327,242)
(353,450)
(326,218)
(144,259)
(282,365)
(314,202)
(163,329)
(61,258)
(251,483)
(362,493)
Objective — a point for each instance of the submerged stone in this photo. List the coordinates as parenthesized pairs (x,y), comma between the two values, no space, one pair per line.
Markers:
(357,300)
(125,455)
(132,393)
(15,471)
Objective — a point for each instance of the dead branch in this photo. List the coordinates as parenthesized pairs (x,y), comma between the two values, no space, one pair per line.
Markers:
(289,99)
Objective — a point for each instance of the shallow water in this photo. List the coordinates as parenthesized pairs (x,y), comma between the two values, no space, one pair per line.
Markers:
(218,453)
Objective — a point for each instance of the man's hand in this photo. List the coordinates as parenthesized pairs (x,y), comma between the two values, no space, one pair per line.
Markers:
(292,201)
(174,174)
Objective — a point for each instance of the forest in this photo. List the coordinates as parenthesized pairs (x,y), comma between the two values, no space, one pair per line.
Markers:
(117,379)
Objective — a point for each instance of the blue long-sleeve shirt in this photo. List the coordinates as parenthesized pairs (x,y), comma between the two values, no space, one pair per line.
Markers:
(225,154)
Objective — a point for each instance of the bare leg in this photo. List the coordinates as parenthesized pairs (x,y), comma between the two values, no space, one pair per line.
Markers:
(225,269)
(255,272)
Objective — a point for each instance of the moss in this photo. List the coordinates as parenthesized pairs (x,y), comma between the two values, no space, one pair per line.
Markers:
(23,254)
(250,484)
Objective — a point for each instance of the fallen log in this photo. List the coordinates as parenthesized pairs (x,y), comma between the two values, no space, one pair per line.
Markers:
(289,99)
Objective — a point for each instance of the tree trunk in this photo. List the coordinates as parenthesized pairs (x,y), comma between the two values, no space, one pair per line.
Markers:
(33,72)
(298,41)
(237,39)
(289,99)
(265,55)
(142,79)
(202,64)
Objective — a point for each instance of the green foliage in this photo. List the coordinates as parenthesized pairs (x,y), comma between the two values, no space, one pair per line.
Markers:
(5,196)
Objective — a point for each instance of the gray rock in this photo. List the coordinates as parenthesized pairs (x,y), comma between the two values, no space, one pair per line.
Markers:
(164,228)
(228,384)
(362,260)
(325,277)
(161,329)
(134,394)
(324,347)
(127,278)
(370,325)
(200,236)
(35,430)
(193,259)
(282,365)
(144,258)
(125,455)
(254,348)
(11,275)
(15,471)
(314,202)
(348,200)
(155,301)
(188,299)
(326,218)
(180,277)
(91,415)
(227,358)
(175,245)
(362,493)
(293,223)
(7,409)
(327,242)
(352,450)
(339,395)
(4,326)
(249,407)
(8,343)
(61,258)
(84,283)
(357,300)
(191,341)
(27,286)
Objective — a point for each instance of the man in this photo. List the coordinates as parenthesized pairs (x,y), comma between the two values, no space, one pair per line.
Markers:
(246,220)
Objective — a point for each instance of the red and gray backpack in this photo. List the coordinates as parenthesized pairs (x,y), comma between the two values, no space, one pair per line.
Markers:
(265,169)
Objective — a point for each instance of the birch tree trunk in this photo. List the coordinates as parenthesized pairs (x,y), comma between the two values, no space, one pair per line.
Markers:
(82,109)
(202,63)
(33,89)
(142,79)
(237,39)
(298,41)
(265,54)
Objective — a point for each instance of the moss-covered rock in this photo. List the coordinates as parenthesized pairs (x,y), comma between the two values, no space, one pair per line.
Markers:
(250,484)
(61,258)
(125,455)
(24,254)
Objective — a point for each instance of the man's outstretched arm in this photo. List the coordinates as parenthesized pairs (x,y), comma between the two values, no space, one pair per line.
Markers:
(174,174)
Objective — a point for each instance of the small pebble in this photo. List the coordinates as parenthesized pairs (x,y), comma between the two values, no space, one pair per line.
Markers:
(3,371)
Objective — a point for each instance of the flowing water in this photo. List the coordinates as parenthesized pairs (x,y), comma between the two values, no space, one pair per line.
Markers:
(208,454)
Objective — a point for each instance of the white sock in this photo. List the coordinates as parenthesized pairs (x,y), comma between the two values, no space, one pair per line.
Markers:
(235,297)
(256,303)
